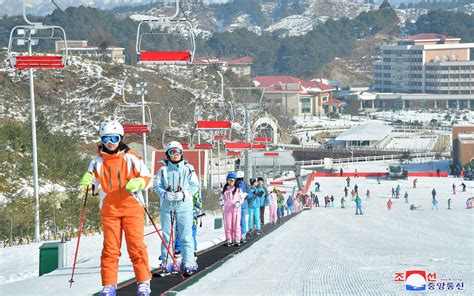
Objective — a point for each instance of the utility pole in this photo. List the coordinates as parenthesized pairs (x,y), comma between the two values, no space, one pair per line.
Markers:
(248,169)
(143,92)
(35,149)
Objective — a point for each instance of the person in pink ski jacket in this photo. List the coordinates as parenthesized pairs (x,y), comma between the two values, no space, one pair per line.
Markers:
(231,199)
(273,205)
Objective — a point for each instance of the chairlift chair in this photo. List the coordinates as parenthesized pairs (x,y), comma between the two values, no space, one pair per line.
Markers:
(164,26)
(30,35)
(133,127)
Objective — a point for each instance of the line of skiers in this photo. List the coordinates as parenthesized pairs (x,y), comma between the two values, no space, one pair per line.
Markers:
(239,202)
(122,175)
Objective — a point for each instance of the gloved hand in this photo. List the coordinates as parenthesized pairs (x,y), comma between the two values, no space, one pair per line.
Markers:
(221,203)
(237,205)
(175,196)
(135,184)
(87,180)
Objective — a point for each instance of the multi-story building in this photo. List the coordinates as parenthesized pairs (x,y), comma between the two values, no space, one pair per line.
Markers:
(426,63)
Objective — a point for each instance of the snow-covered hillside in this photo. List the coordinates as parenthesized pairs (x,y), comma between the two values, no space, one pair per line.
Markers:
(88,91)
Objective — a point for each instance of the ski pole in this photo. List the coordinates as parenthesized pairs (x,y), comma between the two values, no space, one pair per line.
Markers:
(79,237)
(158,232)
(151,232)
(170,241)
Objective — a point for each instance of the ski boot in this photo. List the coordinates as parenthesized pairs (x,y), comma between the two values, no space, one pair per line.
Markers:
(165,269)
(228,243)
(108,291)
(189,268)
(237,243)
(143,289)
(243,240)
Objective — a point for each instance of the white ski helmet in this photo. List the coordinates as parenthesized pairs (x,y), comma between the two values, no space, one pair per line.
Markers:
(240,174)
(111,127)
(173,144)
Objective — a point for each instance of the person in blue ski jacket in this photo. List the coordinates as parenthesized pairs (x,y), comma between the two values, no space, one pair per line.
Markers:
(262,193)
(176,183)
(244,207)
(254,206)
(289,204)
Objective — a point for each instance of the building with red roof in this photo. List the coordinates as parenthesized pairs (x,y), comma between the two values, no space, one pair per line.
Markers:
(297,97)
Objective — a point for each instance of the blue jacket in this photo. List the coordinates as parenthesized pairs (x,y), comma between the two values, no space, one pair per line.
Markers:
(289,202)
(243,186)
(252,197)
(173,176)
(265,200)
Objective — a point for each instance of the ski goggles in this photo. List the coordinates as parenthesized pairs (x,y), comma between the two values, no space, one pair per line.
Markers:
(114,139)
(175,152)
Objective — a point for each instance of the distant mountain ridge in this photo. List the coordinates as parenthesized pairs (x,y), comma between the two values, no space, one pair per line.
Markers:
(43,7)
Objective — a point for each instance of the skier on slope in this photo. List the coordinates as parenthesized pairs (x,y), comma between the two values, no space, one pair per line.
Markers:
(254,207)
(414,183)
(389,204)
(176,183)
(406,196)
(280,206)
(122,174)
(273,197)
(358,202)
(244,208)
(263,195)
(289,205)
(231,199)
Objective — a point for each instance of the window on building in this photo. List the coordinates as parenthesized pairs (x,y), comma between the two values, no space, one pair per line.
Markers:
(305,105)
(325,99)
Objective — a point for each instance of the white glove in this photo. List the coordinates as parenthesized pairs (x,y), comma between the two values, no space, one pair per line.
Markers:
(237,205)
(221,202)
(174,196)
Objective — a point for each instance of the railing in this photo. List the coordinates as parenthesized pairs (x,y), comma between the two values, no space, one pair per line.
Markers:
(346,160)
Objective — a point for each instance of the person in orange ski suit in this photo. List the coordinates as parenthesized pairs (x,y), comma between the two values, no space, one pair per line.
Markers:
(121,174)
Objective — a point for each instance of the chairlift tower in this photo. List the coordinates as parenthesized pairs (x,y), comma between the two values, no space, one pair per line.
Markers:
(24,35)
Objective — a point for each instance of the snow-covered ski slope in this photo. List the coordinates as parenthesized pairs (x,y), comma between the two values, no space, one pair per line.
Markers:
(319,252)
(331,251)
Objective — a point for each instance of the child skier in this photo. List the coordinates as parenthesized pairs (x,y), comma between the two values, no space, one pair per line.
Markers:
(406,196)
(232,198)
(254,207)
(389,204)
(289,205)
(176,183)
(367,194)
(454,188)
(243,215)
(273,205)
(358,202)
(122,175)
(280,206)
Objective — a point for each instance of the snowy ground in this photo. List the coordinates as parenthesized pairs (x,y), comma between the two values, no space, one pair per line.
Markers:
(323,251)
(19,264)
(333,252)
